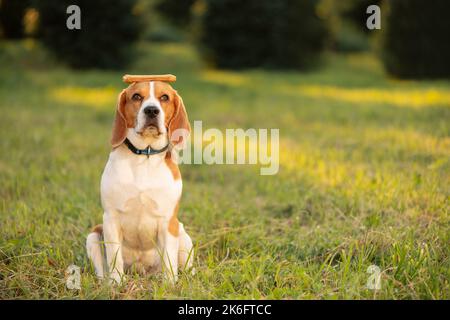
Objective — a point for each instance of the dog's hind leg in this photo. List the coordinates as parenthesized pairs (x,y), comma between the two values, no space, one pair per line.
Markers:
(94,248)
(185,250)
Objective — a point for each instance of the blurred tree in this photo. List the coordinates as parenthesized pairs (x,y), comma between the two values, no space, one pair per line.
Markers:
(415,38)
(11,18)
(296,35)
(354,11)
(254,33)
(235,32)
(177,12)
(108,30)
(347,23)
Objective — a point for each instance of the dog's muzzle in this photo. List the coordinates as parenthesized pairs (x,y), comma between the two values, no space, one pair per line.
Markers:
(151,112)
(152,118)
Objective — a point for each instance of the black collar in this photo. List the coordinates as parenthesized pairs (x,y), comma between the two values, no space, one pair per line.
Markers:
(147,151)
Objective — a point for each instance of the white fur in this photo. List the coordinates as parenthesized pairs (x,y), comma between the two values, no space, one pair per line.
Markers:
(94,252)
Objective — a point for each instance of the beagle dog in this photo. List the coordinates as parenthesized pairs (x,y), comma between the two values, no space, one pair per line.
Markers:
(141,187)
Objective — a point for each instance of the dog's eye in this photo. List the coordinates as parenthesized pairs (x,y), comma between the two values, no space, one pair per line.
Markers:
(164,97)
(136,97)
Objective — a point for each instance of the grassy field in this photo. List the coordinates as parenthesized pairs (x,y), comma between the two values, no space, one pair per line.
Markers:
(364,180)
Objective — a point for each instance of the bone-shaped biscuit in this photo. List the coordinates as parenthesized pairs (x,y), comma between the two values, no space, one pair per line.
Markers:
(128,78)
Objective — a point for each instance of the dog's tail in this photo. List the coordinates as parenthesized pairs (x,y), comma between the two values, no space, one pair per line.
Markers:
(94,247)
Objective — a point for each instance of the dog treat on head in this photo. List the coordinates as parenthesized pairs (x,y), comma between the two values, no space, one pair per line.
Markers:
(128,78)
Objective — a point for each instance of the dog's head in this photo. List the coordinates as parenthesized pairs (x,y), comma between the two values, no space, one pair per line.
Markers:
(151,111)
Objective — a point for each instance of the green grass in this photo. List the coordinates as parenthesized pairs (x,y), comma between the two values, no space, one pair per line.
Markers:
(364,179)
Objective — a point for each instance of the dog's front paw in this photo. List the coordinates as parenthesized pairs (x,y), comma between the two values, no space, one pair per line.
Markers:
(116,278)
(171,278)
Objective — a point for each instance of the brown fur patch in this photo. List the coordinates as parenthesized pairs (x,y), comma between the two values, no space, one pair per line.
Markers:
(127,110)
(132,107)
(174,225)
(174,110)
(119,130)
(173,167)
(98,229)
(168,106)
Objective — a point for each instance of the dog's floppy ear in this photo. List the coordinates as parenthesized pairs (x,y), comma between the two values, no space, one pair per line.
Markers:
(119,131)
(179,127)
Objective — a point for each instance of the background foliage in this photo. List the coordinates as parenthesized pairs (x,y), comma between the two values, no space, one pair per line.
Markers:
(11,18)
(105,39)
(364,159)
(280,34)
(177,12)
(415,39)
(363,180)
(286,34)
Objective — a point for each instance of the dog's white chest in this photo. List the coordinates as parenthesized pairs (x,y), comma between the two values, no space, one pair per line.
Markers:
(142,194)
(140,187)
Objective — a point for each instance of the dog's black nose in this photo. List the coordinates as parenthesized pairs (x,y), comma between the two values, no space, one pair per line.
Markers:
(151,111)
